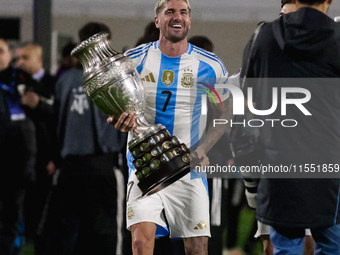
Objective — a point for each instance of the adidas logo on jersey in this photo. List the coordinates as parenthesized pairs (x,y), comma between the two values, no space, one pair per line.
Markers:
(201,225)
(130,213)
(149,78)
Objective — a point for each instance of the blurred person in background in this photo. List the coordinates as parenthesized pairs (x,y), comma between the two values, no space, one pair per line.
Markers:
(88,199)
(287,6)
(17,148)
(263,230)
(67,61)
(301,44)
(151,34)
(39,103)
(202,42)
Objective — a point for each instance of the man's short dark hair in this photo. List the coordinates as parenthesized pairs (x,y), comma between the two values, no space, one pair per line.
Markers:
(312,2)
(66,50)
(93,28)
(283,2)
(309,2)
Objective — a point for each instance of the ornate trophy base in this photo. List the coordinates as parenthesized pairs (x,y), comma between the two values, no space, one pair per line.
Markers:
(160,159)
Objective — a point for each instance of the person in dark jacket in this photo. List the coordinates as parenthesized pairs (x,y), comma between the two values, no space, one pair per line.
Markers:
(88,199)
(17,148)
(39,104)
(304,45)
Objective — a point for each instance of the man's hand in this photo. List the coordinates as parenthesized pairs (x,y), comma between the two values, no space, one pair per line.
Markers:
(202,157)
(125,123)
(30,99)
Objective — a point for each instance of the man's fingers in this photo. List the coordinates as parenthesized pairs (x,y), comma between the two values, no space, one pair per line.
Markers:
(200,158)
(132,122)
(129,122)
(126,122)
(109,120)
(119,124)
(205,161)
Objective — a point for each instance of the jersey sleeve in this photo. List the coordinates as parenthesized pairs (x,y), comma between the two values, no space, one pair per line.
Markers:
(212,73)
(138,55)
(221,81)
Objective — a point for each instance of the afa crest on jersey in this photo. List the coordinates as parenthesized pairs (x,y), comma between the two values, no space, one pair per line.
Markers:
(187,80)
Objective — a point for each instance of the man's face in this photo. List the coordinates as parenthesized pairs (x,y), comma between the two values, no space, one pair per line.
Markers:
(29,59)
(174,20)
(287,8)
(5,55)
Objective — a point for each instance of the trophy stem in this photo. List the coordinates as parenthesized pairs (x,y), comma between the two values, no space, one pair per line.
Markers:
(142,125)
(141,121)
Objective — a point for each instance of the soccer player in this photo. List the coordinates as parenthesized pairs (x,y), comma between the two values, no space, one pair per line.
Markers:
(170,68)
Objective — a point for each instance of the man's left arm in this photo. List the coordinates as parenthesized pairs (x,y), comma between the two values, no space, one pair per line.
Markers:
(214,132)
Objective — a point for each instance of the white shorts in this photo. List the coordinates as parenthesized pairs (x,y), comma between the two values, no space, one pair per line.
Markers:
(185,204)
(263,229)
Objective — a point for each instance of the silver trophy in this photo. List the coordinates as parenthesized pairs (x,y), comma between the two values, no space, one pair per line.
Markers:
(114,85)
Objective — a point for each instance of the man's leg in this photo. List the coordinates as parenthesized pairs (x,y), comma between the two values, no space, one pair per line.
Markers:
(267,245)
(196,245)
(327,240)
(263,231)
(309,245)
(284,245)
(268,248)
(143,238)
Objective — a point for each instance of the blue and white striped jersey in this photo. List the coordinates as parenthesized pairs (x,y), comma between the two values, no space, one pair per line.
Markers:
(174,87)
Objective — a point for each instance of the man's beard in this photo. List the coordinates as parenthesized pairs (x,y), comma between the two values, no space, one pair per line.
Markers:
(176,39)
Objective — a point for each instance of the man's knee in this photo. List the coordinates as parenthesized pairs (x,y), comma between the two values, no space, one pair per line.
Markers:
(140,244)
(143,237)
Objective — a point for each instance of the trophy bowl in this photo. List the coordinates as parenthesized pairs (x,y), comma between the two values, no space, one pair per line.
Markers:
(113,84)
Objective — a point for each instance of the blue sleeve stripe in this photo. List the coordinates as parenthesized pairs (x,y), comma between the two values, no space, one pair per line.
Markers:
(206,74)
(195,119)
(211,56)
(132,51)
(141,49)
(140,67)
(205,182)
(138,54)
(198,49)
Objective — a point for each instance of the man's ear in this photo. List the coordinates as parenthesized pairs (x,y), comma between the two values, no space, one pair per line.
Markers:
(156,22)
